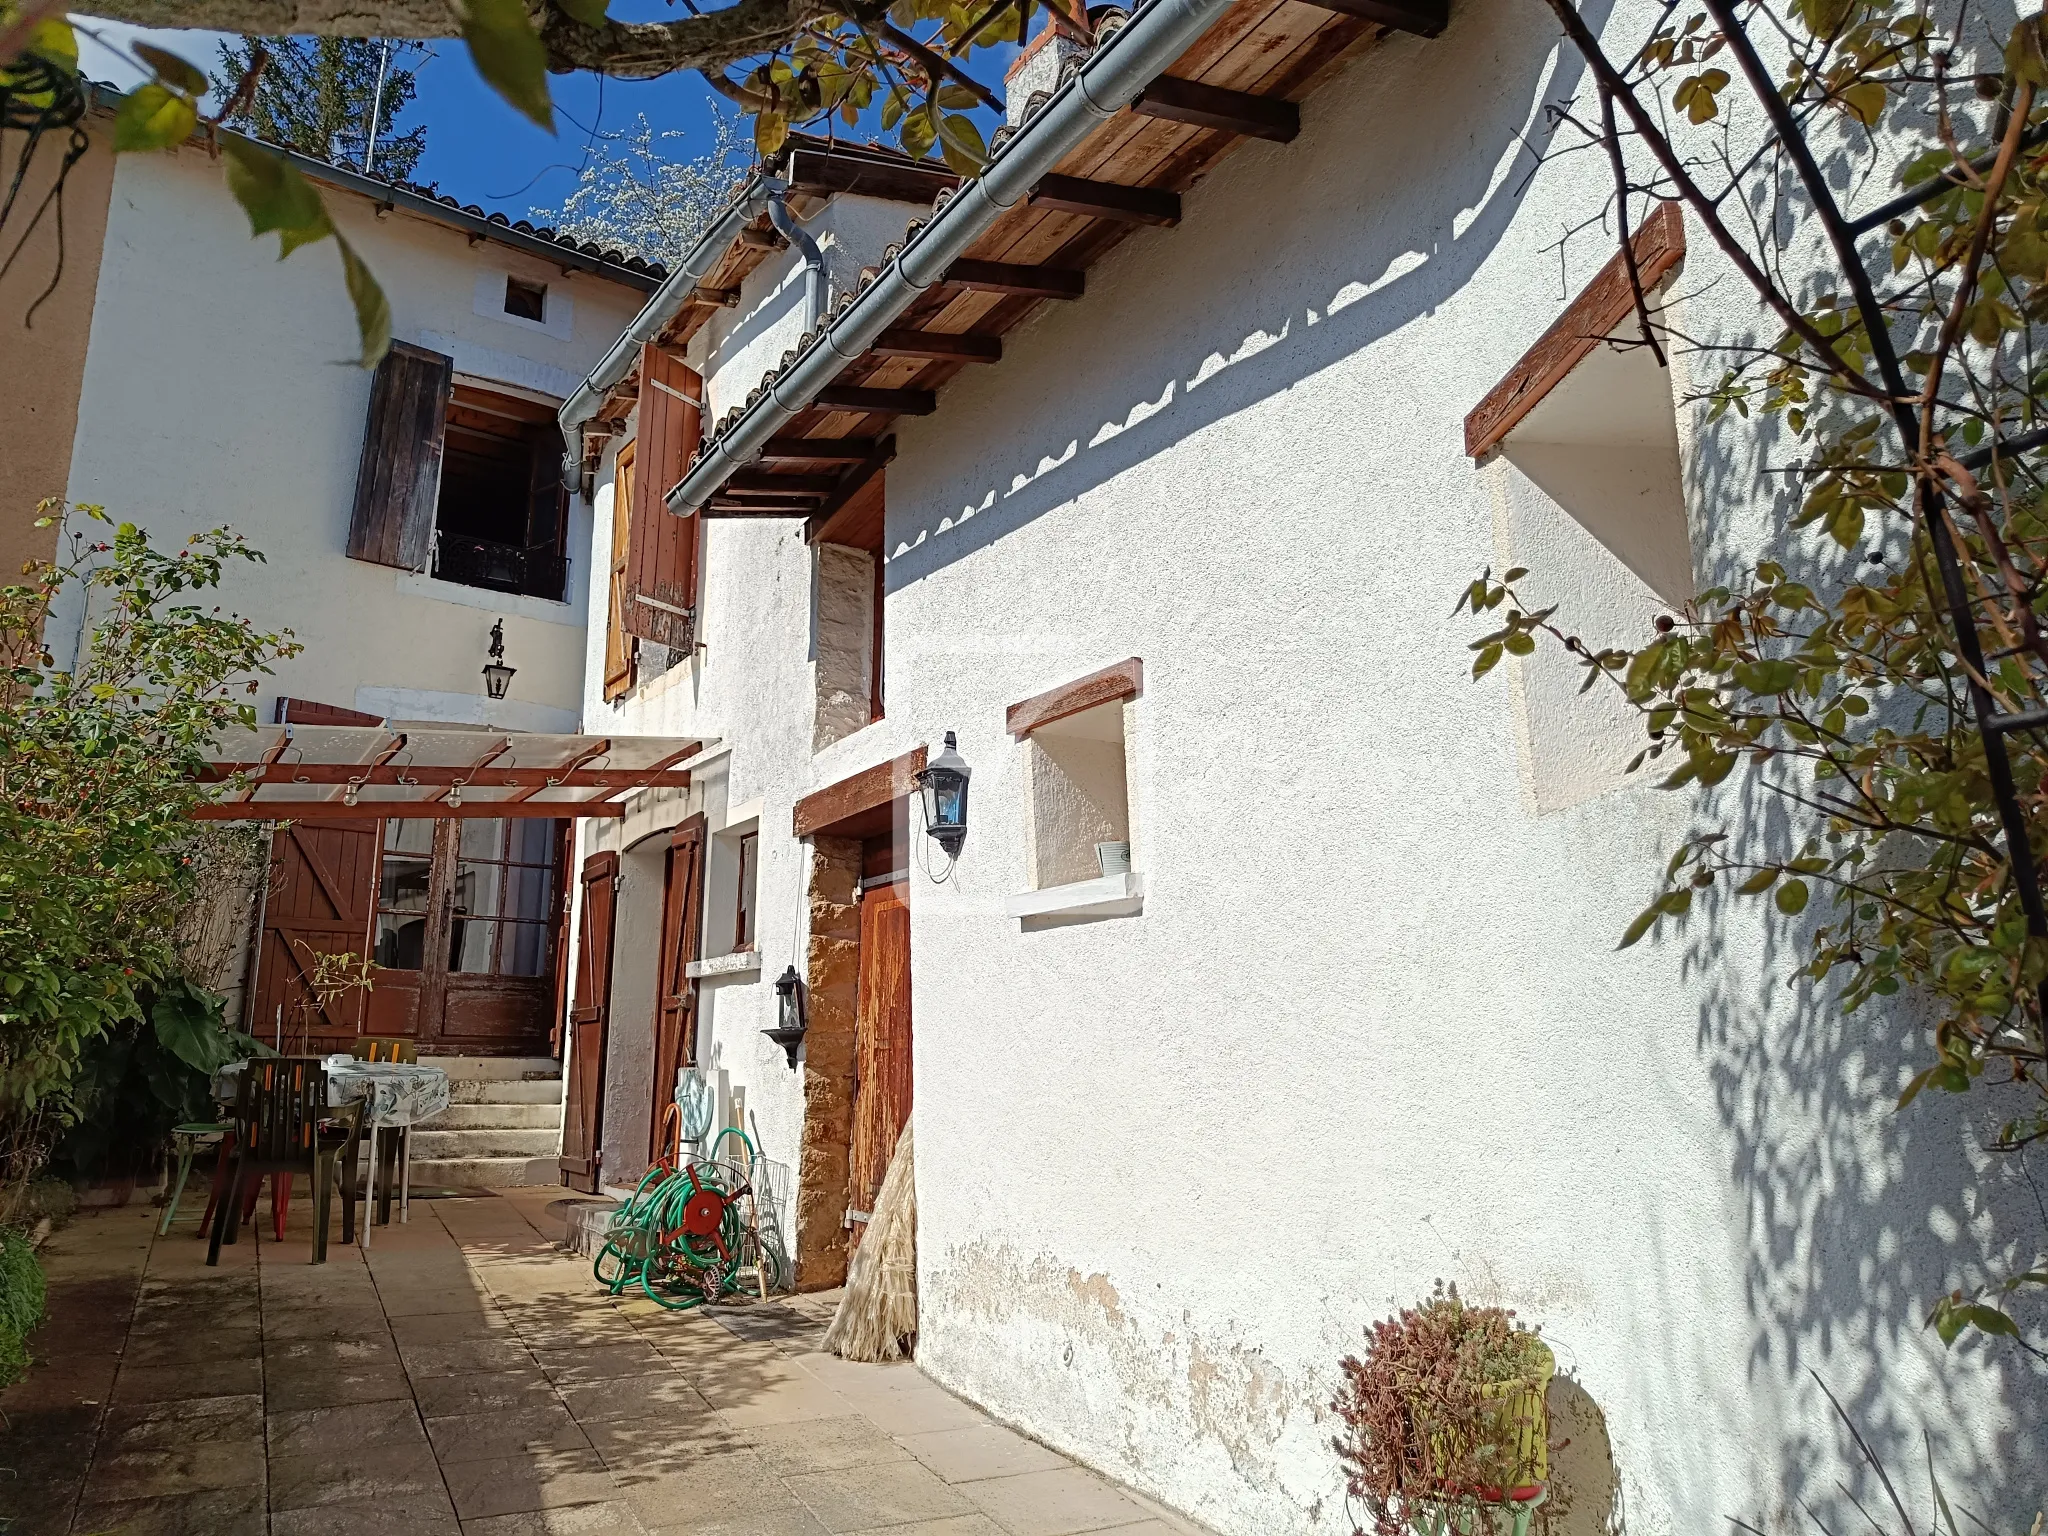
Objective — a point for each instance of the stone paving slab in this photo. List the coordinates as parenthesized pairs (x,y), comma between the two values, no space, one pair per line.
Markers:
(466,1378)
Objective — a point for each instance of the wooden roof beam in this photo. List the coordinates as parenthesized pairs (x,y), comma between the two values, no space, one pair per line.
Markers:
(1209,106)
(818,450)
(856,480)
(743,481)
(761,239)
(790,506)
(722,298)
(1423,17)
(401,810)
(1107,200)
(938,346)
(880,402)
(388,775)
(1024,282)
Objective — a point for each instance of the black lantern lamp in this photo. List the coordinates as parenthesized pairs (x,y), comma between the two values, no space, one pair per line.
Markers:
(498,676)
(790,1022)
(943,782)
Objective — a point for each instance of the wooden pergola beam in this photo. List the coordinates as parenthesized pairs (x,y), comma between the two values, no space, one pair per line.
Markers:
(1210,106)
(1009,278)
(938,346)
(891,402)
(1107,200)
(403,810)
(470,778)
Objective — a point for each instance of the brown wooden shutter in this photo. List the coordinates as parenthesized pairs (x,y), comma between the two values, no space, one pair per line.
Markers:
(661,584)
(675,1007)
(398,481)
(618,645)
(590,1027)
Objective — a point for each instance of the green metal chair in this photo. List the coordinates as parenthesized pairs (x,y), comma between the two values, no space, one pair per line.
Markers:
(188,1137)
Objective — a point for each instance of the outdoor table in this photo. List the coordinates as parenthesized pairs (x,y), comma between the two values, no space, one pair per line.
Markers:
(395,1096)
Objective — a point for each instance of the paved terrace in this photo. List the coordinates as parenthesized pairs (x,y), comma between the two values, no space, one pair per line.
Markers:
(468,1377)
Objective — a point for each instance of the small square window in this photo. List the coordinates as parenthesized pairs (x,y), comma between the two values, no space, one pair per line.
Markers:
(528,301)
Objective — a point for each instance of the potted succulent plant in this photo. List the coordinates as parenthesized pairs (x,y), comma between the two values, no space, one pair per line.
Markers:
(1446,1433)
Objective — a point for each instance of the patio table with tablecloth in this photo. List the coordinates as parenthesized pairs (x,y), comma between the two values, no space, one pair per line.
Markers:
(395,1097)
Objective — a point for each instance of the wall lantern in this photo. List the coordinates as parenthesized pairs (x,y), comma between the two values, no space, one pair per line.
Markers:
(943,782)
(498,676)
(790,1022)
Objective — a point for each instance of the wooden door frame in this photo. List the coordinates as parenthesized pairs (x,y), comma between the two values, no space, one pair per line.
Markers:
(601,865)
(692,830)
(897,884)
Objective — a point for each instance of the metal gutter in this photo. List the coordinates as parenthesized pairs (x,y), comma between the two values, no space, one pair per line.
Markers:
(1118,70)
(660,308)
(562,253)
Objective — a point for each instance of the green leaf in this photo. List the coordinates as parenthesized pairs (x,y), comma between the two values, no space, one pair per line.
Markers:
(770,129)
(919,133)
(507,52)
(1991,1320)
(190,1025)
(1864,101)
(1791,897)
(172,70)
(373,309)
(1644,920)
(961,144)
(1762,880)
(152,117)
(589,12)
(274,194)
(1487,659)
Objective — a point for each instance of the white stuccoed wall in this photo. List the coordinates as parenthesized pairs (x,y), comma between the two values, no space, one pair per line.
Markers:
(754,687)
(217,390)
(1370,1028)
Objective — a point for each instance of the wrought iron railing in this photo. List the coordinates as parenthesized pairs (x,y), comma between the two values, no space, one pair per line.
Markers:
(501,567)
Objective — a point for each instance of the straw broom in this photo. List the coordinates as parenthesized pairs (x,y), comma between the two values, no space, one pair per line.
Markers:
(877,1317)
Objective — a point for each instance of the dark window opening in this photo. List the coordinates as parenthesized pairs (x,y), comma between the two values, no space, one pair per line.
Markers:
(500,519)
(529,301)
(743,904)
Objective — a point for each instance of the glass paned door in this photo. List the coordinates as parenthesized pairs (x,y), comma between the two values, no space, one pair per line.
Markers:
(465,929)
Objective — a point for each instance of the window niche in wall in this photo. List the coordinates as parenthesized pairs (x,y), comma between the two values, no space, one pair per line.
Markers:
(732,902)
(1078,825)
(1582,439)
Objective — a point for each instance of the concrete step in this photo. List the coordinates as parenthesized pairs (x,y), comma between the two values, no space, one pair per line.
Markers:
(483,1172)
(478,1069)
(538,1091)
(500,1117)
(431,1142)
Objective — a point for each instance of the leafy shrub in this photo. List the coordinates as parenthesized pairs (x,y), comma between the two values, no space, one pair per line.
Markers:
(1432,1416)
(21,1303)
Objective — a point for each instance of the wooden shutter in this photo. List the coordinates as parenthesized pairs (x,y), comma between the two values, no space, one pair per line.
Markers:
(661,584)
(618,645)
(881,1044)
(675,1007)
(590,1027)
(398,481)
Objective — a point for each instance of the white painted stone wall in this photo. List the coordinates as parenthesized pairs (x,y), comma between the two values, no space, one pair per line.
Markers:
(1370,1027)
(217,390)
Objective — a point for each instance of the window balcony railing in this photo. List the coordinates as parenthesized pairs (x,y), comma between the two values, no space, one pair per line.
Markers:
(501,567)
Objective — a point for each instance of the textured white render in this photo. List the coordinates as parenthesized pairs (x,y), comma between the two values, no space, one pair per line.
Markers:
(1370,1028)
(218,391)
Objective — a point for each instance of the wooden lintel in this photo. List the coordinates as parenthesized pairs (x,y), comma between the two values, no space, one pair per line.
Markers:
(1599,310)
(1107,200)
(1426,18)
(855,481)
(743,480)
(892,402)
(938,346)
(818,450)
(403,810)
(722,507)
(389,773)
(1125,680)
(1209,106)
(1007,277)
(864,791)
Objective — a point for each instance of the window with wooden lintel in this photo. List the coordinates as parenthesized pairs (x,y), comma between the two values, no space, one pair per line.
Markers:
(1077,779)
(1589,498)
(460,480)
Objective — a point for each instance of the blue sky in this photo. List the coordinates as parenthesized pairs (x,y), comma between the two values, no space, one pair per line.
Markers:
(478,149)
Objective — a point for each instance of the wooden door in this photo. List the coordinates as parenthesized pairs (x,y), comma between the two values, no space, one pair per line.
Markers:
(675,1007)
(881,1043)
(590,1026)
(322,886)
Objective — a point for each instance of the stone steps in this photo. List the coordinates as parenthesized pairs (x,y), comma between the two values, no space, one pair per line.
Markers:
(483,1172)
(430,1141)
(501,1091)
(497,1115)
(496,1069)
